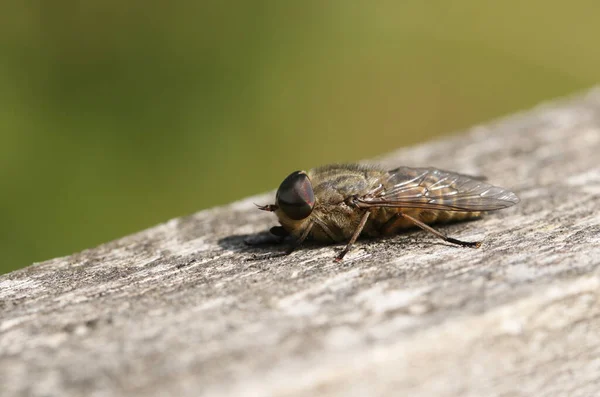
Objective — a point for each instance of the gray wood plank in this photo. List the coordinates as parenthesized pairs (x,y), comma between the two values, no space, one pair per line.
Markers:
(186,308)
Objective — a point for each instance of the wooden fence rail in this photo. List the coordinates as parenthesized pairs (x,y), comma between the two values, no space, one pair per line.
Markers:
(186,308)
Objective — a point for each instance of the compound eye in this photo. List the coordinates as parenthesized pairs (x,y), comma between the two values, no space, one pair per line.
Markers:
(295,196)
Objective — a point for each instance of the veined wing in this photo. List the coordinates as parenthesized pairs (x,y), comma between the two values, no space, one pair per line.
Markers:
(430,188)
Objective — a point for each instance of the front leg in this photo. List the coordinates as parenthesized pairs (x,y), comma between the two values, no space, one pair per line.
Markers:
(355,235)
(299,242)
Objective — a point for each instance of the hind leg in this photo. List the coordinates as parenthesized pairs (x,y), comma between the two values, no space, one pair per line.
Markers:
(397,221)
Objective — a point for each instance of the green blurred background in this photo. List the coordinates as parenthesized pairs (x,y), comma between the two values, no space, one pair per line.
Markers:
(117,115)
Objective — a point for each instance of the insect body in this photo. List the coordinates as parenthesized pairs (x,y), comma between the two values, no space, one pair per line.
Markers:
(337,203)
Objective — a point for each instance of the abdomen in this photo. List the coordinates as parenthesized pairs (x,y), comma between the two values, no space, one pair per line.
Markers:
(386,221)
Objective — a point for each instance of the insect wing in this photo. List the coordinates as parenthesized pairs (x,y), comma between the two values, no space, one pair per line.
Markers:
(430,188)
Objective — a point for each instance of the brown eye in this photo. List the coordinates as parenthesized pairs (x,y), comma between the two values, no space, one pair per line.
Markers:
(295,196)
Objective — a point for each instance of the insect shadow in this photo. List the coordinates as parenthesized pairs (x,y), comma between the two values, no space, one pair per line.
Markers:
(261,245)
(265,245)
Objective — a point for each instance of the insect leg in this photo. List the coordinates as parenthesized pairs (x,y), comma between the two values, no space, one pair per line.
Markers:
(359,229)
(472,244)
(326,229)
(392,225)
(298,242)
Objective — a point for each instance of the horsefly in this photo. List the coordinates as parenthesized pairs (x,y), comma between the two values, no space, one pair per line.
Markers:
(340,202)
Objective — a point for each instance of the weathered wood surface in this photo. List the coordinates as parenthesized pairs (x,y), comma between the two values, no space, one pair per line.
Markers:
(180,310)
